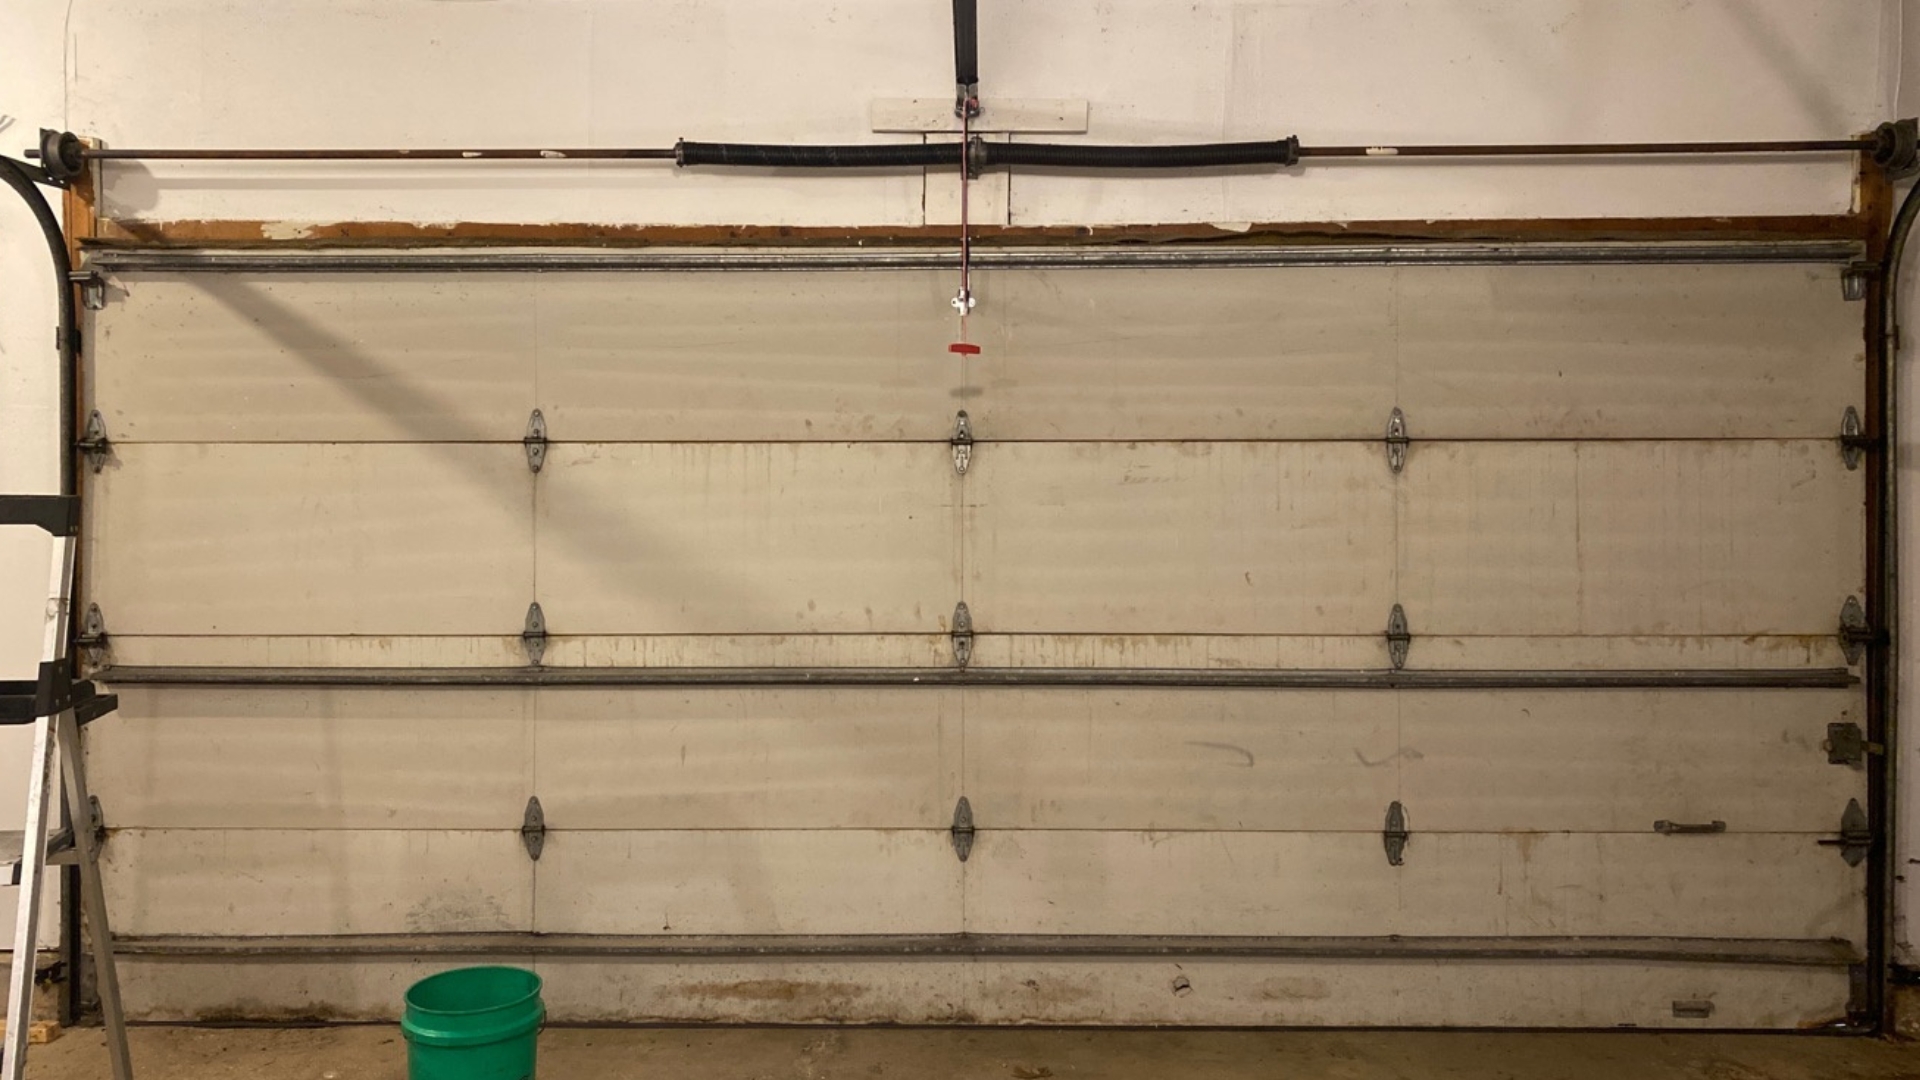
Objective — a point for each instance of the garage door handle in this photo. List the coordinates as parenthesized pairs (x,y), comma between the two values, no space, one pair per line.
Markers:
(1677,828)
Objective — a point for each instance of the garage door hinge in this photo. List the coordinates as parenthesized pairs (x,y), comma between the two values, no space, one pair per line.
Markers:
(1854,279)
(1855,635)
(1856,835)
(962,635)
(1395,835)
(962,442)
(1854,441)
(1397,439)
(534,634)
(93,444)
(962,830)
(1846,744)
(92,638)
(93,288)
(535,441)
(1399,639)
(533,829)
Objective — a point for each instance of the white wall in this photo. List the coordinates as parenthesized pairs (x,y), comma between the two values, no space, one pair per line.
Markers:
(603,72)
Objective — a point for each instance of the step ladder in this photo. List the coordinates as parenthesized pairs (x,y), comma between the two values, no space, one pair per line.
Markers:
(57,707)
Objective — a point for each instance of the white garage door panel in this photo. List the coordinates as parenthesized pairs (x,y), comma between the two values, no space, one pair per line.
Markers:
(1573,652)
(1644,352)
(738,538)
(203,758)
(1468,884)
(832,881)
(748,759)
(1239,760)
(1601,761)
(267,881)
(1233,354)
(1629,538)
(298,358)
(747,356)
(1214,651)
(1221,992)
(1180,759)
(312,539)
(750,650)
(1240,538)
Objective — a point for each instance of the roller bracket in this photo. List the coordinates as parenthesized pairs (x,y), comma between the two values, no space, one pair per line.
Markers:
(92,639)
(1399,637)
(962,635)
(533,829)
(1856,834)
(93,443)
(535,441)
(962,443)
(1855,635)
(1846,744)
(533,634)
(961,831)
(1397,440)
(1854,441)
(1395,835)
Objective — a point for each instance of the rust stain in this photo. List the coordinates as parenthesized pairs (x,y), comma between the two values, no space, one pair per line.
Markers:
(282,234)
(788,990)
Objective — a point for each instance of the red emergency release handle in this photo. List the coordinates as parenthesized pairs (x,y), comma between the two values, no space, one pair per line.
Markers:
(964,348)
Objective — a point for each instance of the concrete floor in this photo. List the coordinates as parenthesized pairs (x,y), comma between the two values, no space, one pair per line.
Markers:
(376,1052)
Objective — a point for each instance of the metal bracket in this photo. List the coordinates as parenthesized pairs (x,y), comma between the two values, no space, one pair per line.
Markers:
(1685,828)
(962,443)
(1395,835)
(1397,440)
(1856,834)
(962,635)
(535,441)
(93,288)
(534,634)
(1399,638)
(1853,280)
(533,829)
(92,638)
(962,829)
(1855,634)
(1854,442)
(1846,744)
(93,442)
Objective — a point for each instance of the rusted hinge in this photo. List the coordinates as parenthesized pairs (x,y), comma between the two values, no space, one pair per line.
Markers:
(1855,635)
(962,635)
(533,829)
(961,832)
(1856,834)
(535,441)
(533,634)
(962,443)
(93,444)
(92,639)
(1399,638)
(1395,835)
(1854,441)
(1397,439)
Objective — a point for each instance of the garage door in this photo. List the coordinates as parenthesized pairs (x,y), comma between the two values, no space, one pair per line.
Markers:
(1368,644)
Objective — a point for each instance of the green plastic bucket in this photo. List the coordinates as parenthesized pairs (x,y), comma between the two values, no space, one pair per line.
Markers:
(477,1023)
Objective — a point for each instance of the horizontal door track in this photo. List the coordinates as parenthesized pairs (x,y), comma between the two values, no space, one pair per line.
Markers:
(1767,952)
(1218,678)
(1167,255)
